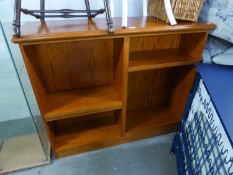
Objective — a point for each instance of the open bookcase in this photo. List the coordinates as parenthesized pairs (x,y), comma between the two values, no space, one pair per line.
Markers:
(96,90)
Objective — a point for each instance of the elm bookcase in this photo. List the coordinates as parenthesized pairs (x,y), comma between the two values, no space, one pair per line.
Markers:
(96,89)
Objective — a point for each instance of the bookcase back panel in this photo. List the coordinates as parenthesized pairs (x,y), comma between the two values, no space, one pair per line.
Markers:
(70,65)
(189,45)
(148,88)
(193,44)
(160,87)
(80,124)
(156,42)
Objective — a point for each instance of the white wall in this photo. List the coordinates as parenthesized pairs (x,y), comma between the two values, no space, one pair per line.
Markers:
(6,10)
(7,6)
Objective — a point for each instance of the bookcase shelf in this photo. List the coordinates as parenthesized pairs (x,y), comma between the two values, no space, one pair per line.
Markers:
(96,90)
(82,102)
(148,60)
(153,118)
(85,133)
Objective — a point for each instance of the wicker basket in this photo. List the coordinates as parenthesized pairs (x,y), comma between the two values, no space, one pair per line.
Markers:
(188,10)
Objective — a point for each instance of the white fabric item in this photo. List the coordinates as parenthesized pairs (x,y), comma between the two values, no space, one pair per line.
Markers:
(224,59)
(169,12)
(230,50)
(124,13)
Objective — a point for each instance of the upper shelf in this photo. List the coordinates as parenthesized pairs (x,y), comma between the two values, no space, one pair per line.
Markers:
(34,32)
(148,60)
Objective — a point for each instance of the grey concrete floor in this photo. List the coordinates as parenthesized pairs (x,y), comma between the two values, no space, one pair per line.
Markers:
(146,157)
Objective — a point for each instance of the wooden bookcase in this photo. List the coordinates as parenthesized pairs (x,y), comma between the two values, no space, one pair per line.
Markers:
(96,90)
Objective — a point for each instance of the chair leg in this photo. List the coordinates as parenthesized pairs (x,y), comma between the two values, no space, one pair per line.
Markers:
(17,16)
(88,8)
(108,16)
(42,8)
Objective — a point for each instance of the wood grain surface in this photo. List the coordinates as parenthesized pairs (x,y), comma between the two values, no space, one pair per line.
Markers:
(96,89)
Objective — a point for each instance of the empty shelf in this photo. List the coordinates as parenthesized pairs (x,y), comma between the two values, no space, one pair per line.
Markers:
(147,60)
(81,102)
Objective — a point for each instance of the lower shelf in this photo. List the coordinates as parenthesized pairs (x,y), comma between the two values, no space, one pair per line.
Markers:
(81,135)
(91,133)
(149,122)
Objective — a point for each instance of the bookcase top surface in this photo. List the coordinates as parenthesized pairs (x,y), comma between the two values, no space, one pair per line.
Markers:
(34,32)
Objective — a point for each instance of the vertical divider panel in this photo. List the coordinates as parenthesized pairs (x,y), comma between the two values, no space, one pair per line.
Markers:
(125,80)
(121,52)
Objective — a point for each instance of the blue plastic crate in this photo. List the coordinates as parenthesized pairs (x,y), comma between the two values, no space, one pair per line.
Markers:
(204,143)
